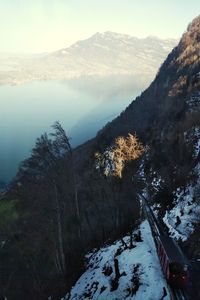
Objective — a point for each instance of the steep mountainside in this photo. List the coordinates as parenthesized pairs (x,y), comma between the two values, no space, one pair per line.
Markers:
(166,117)
(103,54)
(176,81)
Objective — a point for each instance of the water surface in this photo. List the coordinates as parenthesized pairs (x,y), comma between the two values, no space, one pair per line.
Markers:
(28,110)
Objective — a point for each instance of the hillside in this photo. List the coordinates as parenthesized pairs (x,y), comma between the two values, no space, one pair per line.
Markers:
(61,202)
(103,54)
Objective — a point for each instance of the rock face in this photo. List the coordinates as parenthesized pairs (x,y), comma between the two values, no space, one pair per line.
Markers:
(102,54)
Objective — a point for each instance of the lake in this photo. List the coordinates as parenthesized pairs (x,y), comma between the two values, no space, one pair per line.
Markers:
(28,110)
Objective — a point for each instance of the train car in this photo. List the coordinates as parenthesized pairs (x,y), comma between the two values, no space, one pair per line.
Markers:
(173,262)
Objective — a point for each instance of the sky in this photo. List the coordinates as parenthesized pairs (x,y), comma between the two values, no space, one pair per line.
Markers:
(34,26)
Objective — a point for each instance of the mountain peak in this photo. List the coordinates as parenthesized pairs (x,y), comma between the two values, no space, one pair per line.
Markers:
(110,34)
(181,67)
(194,26)
(192,36)
(116,35)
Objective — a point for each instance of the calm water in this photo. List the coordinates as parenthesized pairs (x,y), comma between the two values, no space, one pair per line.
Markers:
(27,111)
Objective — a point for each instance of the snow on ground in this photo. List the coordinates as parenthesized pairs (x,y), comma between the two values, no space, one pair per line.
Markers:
(183,216)
(197,136)
(181,219)
(142,277)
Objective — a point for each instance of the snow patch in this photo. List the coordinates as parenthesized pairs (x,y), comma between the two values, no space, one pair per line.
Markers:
(64,52)
(106,163)
(181,219)
(197,140)
(193,102)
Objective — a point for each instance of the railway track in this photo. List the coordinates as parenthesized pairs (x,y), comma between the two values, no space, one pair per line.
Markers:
(157,230)
(178,294)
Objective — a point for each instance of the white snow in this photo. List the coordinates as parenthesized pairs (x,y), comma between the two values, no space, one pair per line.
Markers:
(140,262)
(193,102)
(197,136)
(106,162)
(156,182)
(186,211)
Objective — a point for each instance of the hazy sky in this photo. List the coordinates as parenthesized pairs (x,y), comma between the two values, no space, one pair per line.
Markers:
(46,25)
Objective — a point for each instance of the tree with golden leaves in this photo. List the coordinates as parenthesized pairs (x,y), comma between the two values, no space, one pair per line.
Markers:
(125,149)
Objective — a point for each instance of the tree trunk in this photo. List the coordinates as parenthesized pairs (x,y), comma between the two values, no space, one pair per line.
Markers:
(76,198)
(76,195)
(124,244)
(117,218)
(57,262)
(117,273)
(131,240)
(60,234)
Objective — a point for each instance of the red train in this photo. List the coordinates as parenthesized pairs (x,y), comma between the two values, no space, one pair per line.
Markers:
(174,264)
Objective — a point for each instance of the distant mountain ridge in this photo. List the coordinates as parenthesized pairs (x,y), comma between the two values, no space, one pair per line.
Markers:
(102,54)
(110,52)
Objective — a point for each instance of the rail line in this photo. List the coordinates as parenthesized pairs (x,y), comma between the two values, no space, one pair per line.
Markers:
(178,294)
(157,229)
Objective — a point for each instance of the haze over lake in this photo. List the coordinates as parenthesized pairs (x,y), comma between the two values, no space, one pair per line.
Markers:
(30,109)
(83,86)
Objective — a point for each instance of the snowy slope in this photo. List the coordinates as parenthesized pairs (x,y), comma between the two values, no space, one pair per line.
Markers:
(181,219)
(142,277)
(185,214)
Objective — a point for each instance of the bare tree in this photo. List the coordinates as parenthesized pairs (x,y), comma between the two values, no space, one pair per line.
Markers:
(62,146)
(45,163)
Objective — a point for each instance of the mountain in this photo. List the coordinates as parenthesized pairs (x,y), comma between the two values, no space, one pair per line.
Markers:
(113,53)
(61,206)
(177,77)
(166,118)
(103,54)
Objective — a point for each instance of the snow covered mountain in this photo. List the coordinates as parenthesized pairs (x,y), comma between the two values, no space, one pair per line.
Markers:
(102,54)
